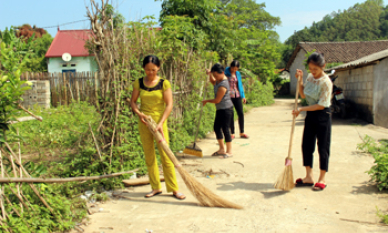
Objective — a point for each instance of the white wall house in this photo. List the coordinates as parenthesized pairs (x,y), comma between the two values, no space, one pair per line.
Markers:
(71,42)
(334,52)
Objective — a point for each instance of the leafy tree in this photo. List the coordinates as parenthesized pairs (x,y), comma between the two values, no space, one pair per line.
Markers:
(362,22)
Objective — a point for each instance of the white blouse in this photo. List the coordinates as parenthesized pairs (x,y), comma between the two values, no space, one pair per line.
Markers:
(318,91)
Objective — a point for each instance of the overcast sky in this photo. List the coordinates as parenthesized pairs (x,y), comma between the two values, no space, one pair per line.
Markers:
(295,14)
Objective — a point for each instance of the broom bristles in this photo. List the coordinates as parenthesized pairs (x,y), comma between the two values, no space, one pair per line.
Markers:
(204,195)
(285,181)
(190,151)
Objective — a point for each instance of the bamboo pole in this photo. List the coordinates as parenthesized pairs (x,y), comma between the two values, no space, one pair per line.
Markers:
(2,189)
(63,180)
(20,171)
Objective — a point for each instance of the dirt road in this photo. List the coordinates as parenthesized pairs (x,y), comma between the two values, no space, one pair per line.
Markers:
(348,195)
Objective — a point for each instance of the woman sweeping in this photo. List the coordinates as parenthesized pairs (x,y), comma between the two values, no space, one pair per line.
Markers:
(224,111)
(237,95)
(317,91)
(156,101)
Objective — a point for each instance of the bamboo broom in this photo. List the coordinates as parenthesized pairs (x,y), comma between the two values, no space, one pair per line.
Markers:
(205,197)
(286,179)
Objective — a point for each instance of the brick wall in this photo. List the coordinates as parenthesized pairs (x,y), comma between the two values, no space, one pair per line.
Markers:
(39,94)
(358,88)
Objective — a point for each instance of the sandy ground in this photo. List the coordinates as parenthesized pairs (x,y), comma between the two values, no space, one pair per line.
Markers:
(348,195)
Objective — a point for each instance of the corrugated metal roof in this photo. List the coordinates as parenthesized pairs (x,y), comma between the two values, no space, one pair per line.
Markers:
(340,52)
(362,61)
(70,41)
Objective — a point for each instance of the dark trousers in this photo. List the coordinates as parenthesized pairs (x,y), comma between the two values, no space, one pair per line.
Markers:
(317,127)
(222,123)
(238,105)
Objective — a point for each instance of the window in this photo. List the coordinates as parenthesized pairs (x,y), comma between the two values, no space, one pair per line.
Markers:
(64,65)
(73,65)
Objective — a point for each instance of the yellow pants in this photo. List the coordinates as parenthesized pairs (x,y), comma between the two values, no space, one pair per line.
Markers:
(147,139)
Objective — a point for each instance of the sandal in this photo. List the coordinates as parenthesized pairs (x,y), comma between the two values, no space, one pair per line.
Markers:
(226,156)
(217,154)
(319,187)
(149,195)
(299,183)
(233,136)
(245,136)
(179,196)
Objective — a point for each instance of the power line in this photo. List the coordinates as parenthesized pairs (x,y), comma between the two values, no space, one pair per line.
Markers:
(66,23)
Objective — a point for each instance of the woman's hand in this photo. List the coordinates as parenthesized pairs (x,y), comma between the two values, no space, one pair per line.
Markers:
(142,118)
(299,73)
(204,102)
(244,100)
(159,128)
(296,112)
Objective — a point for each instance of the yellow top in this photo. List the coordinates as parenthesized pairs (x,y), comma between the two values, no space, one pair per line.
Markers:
(151,98)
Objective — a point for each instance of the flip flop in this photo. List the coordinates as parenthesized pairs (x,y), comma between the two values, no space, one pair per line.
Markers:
(156,194)
(319,187)
(244,136)
(179,196)
(226,156)
(217,154)
(299,183)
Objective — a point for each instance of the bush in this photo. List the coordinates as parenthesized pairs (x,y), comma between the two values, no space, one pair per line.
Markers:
(257,93)
(379,172)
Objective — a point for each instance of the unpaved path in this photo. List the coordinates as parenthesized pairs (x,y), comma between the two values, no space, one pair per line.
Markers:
(347,196)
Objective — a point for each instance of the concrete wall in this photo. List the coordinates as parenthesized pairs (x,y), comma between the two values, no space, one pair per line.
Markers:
(39,94)
(83,64)
(358,88)
(380,94)
(297,64)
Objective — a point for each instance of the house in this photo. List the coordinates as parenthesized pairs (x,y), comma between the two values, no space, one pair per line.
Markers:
(365,82)
(77,58)
(334,52)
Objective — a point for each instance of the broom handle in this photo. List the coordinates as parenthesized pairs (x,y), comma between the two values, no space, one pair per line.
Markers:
(200,115)
(293,120)
(160,140)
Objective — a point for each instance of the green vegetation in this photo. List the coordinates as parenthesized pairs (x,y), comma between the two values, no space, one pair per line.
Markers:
(379,172)
(361,22)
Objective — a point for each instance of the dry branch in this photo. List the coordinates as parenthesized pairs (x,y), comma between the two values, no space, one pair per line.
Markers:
(62,180)
(32,114)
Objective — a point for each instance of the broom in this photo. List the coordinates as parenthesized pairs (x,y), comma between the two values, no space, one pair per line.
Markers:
(286,179)
(201,193)
(193,149)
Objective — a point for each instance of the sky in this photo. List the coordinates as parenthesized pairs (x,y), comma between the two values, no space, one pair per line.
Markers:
(294,14)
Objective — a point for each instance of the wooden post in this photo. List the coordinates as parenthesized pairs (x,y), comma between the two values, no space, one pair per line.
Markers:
(65,89)
(96,89)
(2,188)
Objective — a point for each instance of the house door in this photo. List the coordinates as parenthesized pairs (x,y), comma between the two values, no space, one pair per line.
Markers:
(70,74)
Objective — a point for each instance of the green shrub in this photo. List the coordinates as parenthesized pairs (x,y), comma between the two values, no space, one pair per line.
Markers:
(257,93)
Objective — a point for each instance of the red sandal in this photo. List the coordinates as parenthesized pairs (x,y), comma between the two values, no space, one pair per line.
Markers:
(319,187)
(244,136)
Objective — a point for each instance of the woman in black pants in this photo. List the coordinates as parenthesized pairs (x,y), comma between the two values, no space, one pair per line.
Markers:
(237,95)
(317,91)
(224,111)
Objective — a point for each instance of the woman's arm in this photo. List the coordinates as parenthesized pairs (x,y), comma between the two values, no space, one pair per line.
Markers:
(220,94)
(167,96)
(299,73)
(135,96)
(211,78)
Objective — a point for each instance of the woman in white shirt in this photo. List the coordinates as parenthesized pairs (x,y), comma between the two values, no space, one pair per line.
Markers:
(317,91)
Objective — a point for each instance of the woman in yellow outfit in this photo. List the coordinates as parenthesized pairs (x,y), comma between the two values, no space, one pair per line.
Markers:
(156,101)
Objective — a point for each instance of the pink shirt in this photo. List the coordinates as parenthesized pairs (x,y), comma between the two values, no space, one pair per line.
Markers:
(233,83)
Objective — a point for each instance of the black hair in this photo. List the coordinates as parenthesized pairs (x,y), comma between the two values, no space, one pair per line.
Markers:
(317,59)
(151,59)
(235,63)
(218,68)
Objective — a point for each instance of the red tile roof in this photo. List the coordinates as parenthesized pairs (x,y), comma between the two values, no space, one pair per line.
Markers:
(340,52)
(70,41)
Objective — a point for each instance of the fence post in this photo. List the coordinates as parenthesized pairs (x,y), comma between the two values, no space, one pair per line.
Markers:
(96,89)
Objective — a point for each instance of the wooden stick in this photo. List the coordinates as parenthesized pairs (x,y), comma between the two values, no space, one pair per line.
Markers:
(32,114)
(95,142)
(10,204)
(293,121)
(20,171)
(362,222)
(2,188)
(63,180)
(141,181)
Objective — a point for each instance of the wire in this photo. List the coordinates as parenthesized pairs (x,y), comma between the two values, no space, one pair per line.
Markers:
(66,23)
